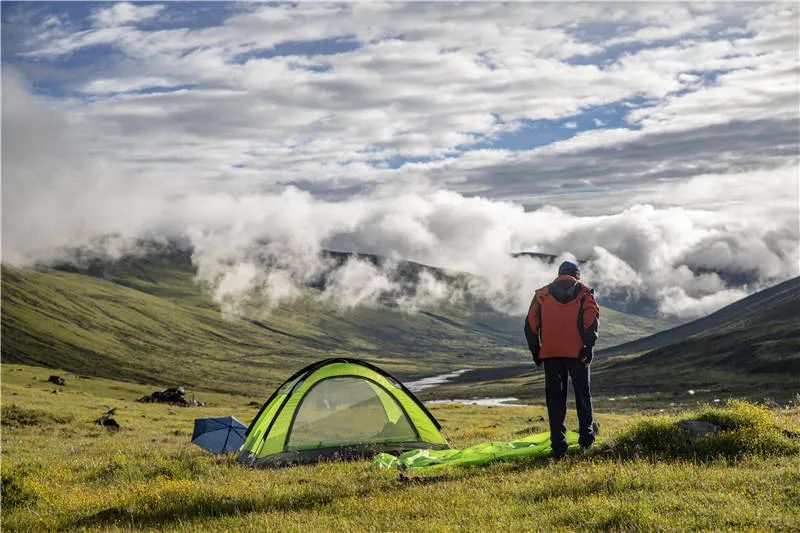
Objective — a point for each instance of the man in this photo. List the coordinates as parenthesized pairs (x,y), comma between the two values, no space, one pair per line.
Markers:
(561,329)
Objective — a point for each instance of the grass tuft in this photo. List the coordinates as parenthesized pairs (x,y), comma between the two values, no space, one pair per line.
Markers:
(15,490)
(745,429)
(14,415)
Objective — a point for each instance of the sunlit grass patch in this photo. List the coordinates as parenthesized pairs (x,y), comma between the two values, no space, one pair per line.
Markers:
(124,468)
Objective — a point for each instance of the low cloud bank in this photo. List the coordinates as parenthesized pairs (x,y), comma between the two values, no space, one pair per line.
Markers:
(265,249)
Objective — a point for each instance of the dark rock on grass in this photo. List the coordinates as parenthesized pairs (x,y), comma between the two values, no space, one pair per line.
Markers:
(253,404)
(58,380)
(697,429)
(108,422)
(171,396)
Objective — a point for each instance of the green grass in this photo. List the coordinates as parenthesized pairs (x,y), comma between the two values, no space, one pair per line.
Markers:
(63,472)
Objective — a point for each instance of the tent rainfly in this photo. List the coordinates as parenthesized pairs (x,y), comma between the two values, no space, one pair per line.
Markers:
(338,409)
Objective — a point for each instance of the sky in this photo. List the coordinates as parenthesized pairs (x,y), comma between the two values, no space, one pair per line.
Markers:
(657,144)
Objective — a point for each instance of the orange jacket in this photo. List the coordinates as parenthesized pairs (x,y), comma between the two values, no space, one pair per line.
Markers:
(563,318)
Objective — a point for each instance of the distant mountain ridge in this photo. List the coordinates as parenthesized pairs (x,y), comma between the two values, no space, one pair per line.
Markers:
(144,318)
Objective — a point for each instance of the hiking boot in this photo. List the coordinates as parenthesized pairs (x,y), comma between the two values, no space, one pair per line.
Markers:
(586,441)
(556,457)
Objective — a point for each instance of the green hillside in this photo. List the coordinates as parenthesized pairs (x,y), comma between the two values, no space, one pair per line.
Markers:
(145,319)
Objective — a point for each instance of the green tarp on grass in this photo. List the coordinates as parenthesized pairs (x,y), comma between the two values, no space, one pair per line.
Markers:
(481,454)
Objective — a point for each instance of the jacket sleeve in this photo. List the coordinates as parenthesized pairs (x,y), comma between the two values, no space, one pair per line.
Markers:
(532,327)
(591,318)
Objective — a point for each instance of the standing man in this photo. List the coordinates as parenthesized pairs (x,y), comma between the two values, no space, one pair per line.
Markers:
(561,329)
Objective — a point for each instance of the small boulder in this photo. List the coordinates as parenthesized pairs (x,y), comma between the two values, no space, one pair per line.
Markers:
(108,422)
(172,396)
(58,380)
(697,429)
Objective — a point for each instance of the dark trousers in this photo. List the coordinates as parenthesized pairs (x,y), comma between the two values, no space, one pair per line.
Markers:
(556,372)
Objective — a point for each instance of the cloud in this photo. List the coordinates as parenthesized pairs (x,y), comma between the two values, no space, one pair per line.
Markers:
(681,22)
(261,154)
(357,283)
(122,13)
(675,301)
(637,259)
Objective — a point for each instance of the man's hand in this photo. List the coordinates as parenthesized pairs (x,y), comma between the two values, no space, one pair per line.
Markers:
(587,354)
(533,341)
(535,353)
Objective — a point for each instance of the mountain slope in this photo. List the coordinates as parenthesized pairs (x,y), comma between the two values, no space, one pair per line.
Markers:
(145,319)
(756,335)
(775,305)
(753,343)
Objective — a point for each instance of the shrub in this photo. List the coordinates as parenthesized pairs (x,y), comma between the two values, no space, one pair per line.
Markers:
(14,490)
(745,429)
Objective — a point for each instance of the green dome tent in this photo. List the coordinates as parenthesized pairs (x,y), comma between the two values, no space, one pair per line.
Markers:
(338,409)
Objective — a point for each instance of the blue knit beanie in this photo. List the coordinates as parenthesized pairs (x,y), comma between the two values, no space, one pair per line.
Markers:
(570,269)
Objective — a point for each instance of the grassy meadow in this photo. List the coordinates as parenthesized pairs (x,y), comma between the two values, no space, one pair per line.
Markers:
(62,472)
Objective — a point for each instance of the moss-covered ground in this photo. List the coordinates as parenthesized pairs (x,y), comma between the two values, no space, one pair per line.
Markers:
(60,471)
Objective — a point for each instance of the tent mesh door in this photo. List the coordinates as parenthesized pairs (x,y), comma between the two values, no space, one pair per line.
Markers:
(348,410)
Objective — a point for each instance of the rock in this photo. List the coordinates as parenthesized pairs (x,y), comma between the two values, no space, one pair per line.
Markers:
(58,380)
(697,429)
(253,404)
(108,422)
(172,396)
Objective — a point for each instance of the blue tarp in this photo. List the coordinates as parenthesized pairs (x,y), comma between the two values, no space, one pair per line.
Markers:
(218,435)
